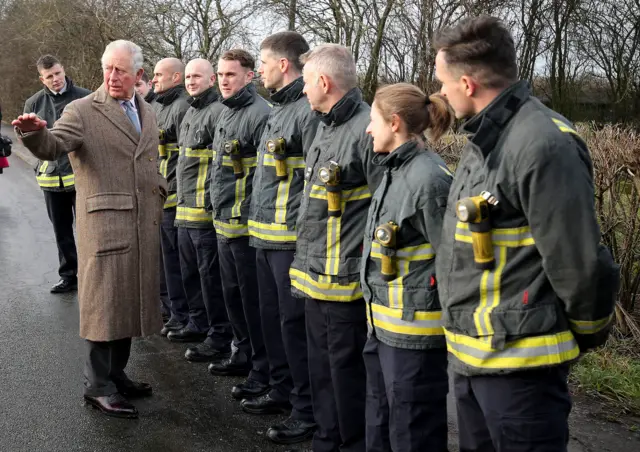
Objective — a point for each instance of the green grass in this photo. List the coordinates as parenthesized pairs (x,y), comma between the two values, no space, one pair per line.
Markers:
(613,373)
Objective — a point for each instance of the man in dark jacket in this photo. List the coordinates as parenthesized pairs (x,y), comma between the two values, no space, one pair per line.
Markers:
(170,105)
(237,138)
(278,185)
(56,177)
(339,179)
(524,283)
(199,261)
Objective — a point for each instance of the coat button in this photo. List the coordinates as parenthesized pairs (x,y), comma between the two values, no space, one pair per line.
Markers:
(154,191)
(151,159)
(155,221)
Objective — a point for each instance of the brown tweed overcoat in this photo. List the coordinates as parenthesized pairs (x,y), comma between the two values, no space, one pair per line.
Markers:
(119,198)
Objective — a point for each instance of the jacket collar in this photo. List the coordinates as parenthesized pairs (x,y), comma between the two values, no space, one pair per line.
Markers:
(290,93)
(150,97)
(343,110)
(485,127)
(242,98)
(205,98)
(400,155)
(69,84)
(168,96)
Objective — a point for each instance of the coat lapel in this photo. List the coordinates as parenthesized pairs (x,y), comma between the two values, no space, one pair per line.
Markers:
(112,110)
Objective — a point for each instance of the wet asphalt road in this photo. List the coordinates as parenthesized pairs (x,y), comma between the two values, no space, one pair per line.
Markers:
(41,363)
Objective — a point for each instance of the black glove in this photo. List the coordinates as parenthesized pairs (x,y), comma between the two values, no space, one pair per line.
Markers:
(5,146)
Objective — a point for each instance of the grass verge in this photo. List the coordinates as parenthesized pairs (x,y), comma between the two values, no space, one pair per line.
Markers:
(613,373)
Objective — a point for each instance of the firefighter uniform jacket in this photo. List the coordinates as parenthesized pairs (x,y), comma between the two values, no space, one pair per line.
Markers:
(404,310)
(237,138)
(192,172)
(54,175)
(275,201)
(552,290)
(170,107)
(329,248)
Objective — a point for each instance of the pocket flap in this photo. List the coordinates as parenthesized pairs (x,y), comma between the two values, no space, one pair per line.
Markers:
(109,201)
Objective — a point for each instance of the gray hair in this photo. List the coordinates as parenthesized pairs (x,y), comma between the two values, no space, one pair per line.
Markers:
(335,61)
(137,60)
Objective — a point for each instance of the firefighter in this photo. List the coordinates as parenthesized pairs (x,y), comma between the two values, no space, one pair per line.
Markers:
(199,262)
(56,178)
(405,354)
(277,188)
(524,284)
(339,179)
(170,104)
(237,137)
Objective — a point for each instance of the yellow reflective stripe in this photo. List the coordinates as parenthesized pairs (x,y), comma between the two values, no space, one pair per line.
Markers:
(489,294)
(564,127)
(241,191)
(509,237)
(198,215)
(203,169)
(48,181)
(248,162)
(44,166)
(197,153)
(292,162)
(354,194)
(396,287)
(520,354)
(324,289)
(333,245)
(446,170)
(282,197)
(415,253)
(68,180)
(163,168)
(231,230)
(590,326)
(173,147)
(271,232)
(171,201)
(423,324)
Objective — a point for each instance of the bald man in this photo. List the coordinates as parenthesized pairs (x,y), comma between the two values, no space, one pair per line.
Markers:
(170,105)
(197,241)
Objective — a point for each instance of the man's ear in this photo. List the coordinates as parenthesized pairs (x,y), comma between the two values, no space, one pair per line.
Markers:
(139,74)
(469,84)
(325,83)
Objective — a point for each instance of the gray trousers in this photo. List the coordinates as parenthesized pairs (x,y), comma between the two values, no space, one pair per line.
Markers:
(104,366)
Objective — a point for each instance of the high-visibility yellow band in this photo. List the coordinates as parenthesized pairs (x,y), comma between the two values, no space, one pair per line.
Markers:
(564,127)
(231,230)
(423,323)
(248,162)
(590,326)
(355,194)
(292,162)
(197,153)
(416,253)
(271,232)
(509,237)
(197,215)
(324,290)
(69,180)
(48,181)
(520,354)
(171,201)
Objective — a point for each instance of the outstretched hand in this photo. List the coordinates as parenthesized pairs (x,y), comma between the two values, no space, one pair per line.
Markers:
(29,123)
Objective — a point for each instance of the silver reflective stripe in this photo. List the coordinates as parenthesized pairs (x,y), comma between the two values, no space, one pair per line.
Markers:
(399,322)
(515,352)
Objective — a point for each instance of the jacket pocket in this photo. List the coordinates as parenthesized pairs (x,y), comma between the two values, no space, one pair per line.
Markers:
(110,217)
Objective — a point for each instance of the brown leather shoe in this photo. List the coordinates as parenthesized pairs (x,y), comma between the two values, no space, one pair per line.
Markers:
(113,405)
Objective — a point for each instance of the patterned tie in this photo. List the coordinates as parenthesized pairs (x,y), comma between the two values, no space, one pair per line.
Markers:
(132,115)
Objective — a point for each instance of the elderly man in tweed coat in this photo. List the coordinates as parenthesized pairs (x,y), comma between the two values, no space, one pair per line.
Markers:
(112,141)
